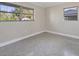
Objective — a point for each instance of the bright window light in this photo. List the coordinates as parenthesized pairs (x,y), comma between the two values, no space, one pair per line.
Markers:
(6,8)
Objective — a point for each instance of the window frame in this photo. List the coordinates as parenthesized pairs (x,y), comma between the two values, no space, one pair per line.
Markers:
(17,6)
(71,7)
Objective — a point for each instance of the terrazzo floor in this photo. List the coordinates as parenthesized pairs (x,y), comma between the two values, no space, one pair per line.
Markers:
(44,44)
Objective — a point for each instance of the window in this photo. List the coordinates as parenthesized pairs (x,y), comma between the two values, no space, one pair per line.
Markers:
(11,12)
(71,13)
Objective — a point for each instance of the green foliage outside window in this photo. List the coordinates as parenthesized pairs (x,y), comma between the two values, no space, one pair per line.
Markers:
(14,13)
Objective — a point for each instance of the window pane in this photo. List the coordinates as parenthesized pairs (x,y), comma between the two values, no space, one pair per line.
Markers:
(26,17)
(27,11)
(8,16)
(14,12)
(71,13)
(6,8)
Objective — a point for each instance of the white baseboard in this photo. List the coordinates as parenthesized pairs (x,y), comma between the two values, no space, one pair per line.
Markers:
(62,34)
(21,38)
(18,39)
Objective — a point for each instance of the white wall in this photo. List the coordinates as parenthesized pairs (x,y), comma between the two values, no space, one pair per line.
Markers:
(56,23)
(13,30)
(51,19)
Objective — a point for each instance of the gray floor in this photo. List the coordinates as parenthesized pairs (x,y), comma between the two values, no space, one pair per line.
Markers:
(44,44)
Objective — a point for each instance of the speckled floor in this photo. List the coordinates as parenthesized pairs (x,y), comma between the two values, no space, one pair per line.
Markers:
(44,44)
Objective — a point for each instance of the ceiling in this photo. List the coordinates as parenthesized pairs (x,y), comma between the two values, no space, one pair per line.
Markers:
(46,4)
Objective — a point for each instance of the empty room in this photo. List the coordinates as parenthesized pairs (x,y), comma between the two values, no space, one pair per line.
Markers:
(39,29)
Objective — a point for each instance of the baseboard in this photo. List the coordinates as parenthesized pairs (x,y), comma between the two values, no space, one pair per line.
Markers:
(62,34)
(18,39)
(21,38)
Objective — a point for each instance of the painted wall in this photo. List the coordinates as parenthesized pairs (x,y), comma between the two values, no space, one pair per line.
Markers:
(55,20)
(13,30)
(51,19)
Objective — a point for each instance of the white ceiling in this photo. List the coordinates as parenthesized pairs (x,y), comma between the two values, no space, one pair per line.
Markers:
(46,4)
